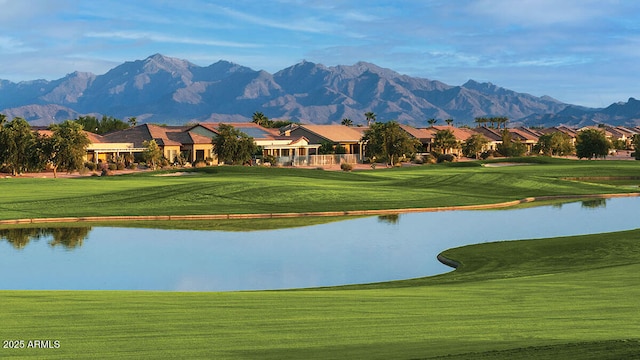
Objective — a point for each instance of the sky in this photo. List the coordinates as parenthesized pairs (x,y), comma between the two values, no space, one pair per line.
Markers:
(580,52)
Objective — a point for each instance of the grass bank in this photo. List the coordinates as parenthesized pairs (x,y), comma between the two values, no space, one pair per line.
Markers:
(572,297)
(243,190)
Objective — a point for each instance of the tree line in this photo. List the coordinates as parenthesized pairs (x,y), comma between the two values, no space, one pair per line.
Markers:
(23,150)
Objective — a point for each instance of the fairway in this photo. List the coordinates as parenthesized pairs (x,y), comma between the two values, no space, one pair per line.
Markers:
(246,190)
(571,297)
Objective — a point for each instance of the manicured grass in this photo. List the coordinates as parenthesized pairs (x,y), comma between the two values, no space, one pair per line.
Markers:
(571,297)
(232,190)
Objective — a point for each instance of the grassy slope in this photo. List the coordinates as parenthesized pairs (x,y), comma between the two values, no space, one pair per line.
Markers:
(527,299)
(225,190)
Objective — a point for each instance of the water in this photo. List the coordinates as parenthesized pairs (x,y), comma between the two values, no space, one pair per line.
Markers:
(352,251)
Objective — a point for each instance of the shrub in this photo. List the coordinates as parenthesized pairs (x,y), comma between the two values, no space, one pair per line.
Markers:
(133,166)
(200,164)
(120,166)
(90,165)
(446,158)
(269,159)
(346,167)
(112,167)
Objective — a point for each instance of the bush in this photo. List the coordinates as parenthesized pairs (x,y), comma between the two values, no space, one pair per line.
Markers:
(112,167)
(269,159)
(200,164)
(120,166)
(446,158)
(489,154)
(346,167)
(133,166)
(91,166)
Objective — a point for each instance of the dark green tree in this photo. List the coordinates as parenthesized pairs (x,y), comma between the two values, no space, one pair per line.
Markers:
(432,122)
(592,143)
(152,154)
(18,146)
(67,146)
(326,148)
(474,145)
(445,139)
(510,147)
(232,146)
(102,126)
(636,146)
(259,118)
(347,122)
(554,144)
(387,141)
(370,116)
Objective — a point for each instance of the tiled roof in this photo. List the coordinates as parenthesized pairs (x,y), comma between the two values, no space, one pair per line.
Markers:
(335,133)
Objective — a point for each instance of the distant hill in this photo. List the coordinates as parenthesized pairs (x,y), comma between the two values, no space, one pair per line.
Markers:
(167,90)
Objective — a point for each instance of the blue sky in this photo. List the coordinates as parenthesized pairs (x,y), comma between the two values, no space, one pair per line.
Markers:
(578,51)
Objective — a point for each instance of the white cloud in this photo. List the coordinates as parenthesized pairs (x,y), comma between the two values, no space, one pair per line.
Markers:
(162,38)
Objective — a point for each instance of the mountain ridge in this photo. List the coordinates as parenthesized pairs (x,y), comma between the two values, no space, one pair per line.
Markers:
(168,90)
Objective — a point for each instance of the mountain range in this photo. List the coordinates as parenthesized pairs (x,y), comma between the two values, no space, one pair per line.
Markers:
(167,90)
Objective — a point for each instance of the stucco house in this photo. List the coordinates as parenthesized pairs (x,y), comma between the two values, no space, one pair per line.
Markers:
(173,140)
(288,150)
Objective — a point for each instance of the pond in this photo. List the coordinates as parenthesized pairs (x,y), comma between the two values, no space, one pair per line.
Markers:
(353,251)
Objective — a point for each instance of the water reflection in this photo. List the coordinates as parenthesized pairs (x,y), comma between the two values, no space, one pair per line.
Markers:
(594,203)
(360,250)
(65,237)
(389,219)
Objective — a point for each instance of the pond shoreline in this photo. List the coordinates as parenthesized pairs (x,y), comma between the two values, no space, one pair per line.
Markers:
(305,214)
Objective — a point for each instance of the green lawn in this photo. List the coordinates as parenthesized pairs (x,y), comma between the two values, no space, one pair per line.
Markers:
(232,190)
(574,297)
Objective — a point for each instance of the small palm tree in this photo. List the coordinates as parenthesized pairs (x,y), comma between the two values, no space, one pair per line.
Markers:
(371,117)
(449,121)
(259,118)
(432,121)
(347,122)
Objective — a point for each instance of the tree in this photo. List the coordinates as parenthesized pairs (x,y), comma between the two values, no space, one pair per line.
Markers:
(102,126)
(232,146)
(432,122)
(326,148)
(445,139)
(133,121)
(636,146)
(481,121)
(66,147)
(152,154)
(554,144)
(17,146)
(347,122)
(259,118)
(388,141)
(474,145)
(592,143)
(510,147)
(371,117)
(449,121)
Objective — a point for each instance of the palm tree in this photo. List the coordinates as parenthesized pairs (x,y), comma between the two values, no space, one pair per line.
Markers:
(432,121)
(445,140)
(371,117)
(133,121)
(481,120)
(259,118)
(347,122)
(449,121)
(504,120)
